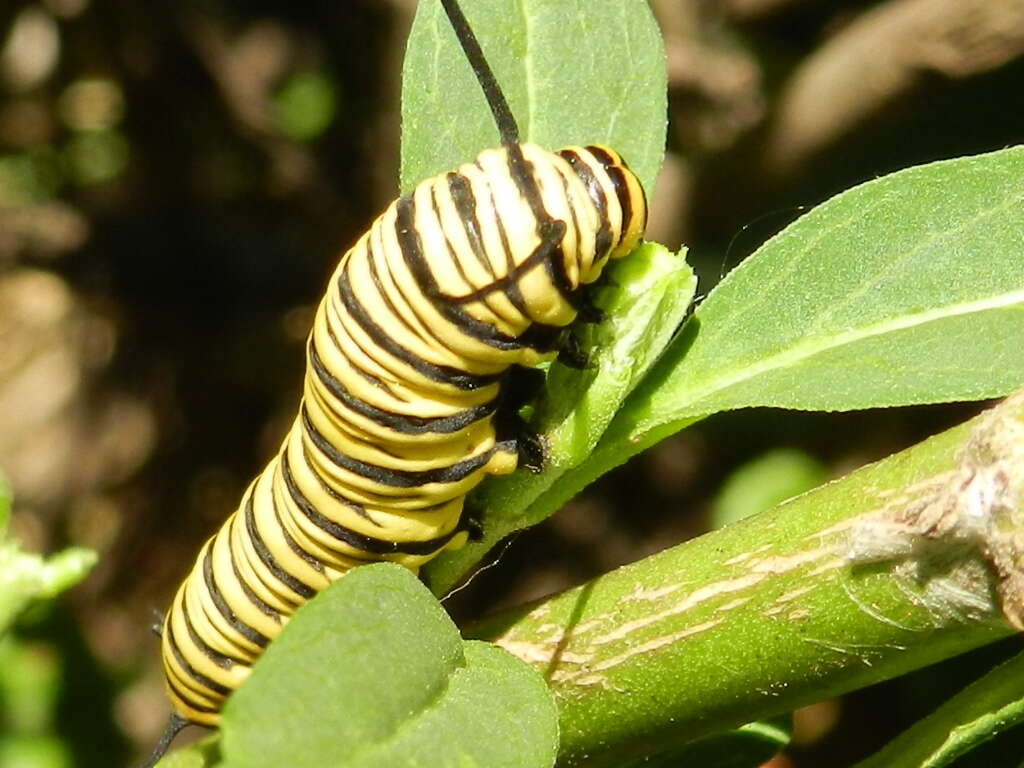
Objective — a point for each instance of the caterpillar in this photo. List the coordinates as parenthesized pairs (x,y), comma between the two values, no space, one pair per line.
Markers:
(409,398)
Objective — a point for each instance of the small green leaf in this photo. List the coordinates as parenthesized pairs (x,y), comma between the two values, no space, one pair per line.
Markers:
(573,71)
(750,746)
(372,672)
(305,105)
(25,577)
(762,483)
(988,707)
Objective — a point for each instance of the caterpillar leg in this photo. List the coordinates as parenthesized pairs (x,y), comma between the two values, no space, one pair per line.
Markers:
(586,310)
(531,448)
(544,338)
(515,436)
(547,338)
(572,354)
(522,385)
(472,521)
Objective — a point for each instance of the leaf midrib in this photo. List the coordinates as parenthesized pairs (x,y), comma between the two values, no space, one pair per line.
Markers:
(526,125)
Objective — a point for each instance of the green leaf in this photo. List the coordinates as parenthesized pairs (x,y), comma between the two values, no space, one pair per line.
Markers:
(305,105)
(573,71)
(25,577)
(644,301)
(750,746)
(908,289)
(988,707)
(372,672)
(1006,749)
(905,290)
(34,751)
(30,684)
(466,728)
(763,482)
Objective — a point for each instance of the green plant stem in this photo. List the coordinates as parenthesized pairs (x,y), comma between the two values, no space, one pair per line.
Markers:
(897,566)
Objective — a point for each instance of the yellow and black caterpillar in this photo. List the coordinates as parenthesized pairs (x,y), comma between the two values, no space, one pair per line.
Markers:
(405,370)
(472,275)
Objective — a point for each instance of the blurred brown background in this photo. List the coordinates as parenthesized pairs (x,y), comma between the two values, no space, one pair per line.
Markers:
(177,180)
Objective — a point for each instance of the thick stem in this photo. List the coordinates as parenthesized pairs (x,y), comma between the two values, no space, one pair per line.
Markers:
(899,565)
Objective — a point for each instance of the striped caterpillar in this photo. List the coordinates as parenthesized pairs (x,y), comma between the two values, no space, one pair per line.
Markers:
(408,400)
